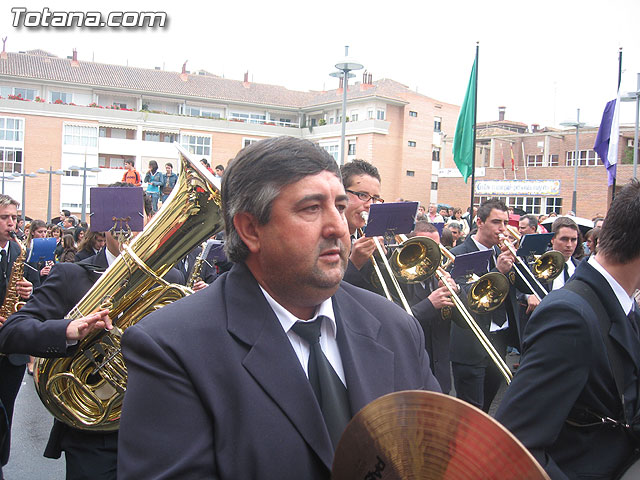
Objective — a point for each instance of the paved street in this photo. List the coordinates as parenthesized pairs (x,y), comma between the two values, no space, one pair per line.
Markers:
(31,426)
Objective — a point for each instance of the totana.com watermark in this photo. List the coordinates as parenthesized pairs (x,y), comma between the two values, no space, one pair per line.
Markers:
(60,19)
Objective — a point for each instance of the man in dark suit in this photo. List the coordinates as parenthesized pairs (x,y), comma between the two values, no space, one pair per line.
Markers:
(11,366)
(476,377)
(231,374)
(577,385)
(565,241)
(427,299)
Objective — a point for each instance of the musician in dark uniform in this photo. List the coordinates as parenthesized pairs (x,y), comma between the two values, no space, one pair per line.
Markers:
(11,366)
(361,181)
(578,381)
(427,299)
(475,376)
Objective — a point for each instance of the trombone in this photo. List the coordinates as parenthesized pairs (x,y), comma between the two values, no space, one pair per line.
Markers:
(378,272)
(418,258)
(546,267)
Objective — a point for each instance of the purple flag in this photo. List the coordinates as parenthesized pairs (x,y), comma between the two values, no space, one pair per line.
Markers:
(603,138)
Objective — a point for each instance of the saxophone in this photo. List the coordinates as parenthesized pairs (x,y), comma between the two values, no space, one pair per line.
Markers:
(86,390)
(195,276)
(12,302)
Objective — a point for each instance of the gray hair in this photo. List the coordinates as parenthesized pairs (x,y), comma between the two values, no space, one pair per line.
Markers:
(255,177)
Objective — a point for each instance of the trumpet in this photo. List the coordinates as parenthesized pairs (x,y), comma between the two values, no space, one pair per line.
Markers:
(420,257)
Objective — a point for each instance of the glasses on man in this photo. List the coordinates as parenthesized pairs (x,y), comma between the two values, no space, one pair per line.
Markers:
(365,197)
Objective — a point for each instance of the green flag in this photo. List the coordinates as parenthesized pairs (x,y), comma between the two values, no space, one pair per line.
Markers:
(463,144)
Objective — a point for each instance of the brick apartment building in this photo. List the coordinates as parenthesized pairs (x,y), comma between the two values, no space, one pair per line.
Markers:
(543,177)
(56,113)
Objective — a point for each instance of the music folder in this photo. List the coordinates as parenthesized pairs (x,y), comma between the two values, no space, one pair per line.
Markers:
(117,207)
(42,250)
(469,263)
(391,218)
(534,244)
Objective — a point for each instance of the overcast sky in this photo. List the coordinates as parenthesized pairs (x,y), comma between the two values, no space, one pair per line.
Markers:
(541,59)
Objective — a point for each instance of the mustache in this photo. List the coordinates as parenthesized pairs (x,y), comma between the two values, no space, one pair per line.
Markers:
(329,244)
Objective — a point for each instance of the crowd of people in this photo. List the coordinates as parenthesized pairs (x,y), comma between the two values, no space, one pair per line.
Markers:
(297,336)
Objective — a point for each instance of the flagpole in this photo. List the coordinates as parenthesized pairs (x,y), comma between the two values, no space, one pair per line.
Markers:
(475,114)
(613,185)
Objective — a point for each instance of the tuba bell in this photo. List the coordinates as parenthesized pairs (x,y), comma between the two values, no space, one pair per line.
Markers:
(86,390)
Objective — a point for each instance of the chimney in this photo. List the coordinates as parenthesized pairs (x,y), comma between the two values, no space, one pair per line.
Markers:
(366,81)
(535,127)
(340,87)
(183,75)
(74,59)
(3,55)
(501,111)
(246,78)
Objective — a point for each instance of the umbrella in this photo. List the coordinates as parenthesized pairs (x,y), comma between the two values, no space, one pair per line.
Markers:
(584,224)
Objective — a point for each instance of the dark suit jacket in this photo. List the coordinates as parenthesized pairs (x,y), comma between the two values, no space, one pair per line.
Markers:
(437,331)
(216,373)
(564,363)
(208,272)
(465,347)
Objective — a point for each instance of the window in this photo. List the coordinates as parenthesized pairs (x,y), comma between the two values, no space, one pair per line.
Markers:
(80,136)
(435,154)
(314,122)
(61,97)
(248,141)
(333,151)
(11,129)
(411,143)
(351,147)
(354,117)
(201,112)
(412,113)
(434,185)
(10,159)
(411,173)
(151,137)
(370,113)
(553,160)
(534,160)
(120,105)
(119,133)
(554,204)
(330,120)
(380,114)
(437,124)
(285,121)
(586,158)
(71,173)
(26,93)
(528,204)
(197,145)
(255,118)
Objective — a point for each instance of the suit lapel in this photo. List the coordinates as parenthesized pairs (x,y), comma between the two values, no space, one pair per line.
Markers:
(271,360)
(368,366)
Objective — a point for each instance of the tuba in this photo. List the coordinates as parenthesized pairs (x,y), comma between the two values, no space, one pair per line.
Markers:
(86,390)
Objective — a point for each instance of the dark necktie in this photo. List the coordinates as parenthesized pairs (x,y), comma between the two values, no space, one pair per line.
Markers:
(327,386)
(566,273)
(3,263)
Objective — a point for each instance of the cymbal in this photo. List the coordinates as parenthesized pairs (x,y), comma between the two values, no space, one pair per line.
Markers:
(416,434)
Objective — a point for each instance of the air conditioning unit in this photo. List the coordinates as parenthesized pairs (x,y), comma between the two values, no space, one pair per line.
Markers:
(630,142)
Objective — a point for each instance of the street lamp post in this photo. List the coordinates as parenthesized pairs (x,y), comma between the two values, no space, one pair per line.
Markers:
(345,66)
(576,160)
(24,188)
(85,169)
(50,172)
(631,97)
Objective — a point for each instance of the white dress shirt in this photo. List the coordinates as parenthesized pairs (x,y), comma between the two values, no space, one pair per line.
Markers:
(328,334)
